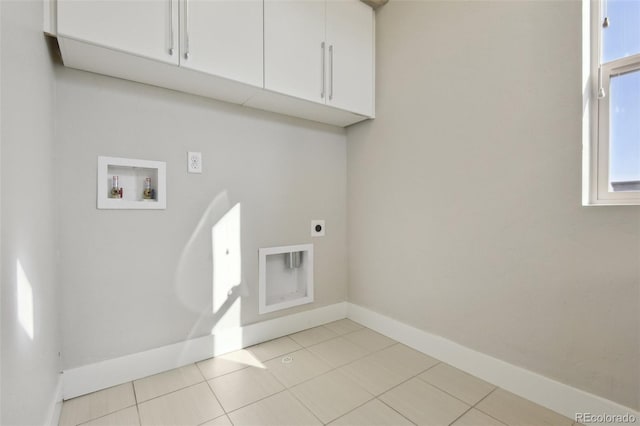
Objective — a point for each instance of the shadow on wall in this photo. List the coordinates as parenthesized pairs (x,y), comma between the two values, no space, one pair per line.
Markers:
(216,243)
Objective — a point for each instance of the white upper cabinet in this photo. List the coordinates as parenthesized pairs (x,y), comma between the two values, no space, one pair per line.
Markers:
(321,51)
(350,62)
(146,28)
(312,59)
(295,48)
(224,38)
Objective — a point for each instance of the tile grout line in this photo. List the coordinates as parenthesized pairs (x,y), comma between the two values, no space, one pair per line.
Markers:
(348,332)
(286,388)
(229,372)
(471,406)
(450,394)
(250,403)
(135,396)
(262,361)
(335,368)
(302,331)
(229,418)
(487,414)
(353,409)
(377,397)
(403,416)
(289,389)
(139,416)
(457,418)
(104,415)
(170,392)
(205,379)
(374,396)
(217,399)
(206,359)
(369,352)
(332,369)
(486,396)
(110,412)
(401,383)
(178,390)
(329,364)
(305,407)
(254,402)
(221,415)
(525,399)
(274,394)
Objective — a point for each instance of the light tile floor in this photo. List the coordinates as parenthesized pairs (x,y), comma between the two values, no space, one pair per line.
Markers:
(337,374)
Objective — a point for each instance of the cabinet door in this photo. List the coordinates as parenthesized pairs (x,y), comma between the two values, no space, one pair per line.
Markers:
(141,27)
(293,48)
(224,38)
(350,56)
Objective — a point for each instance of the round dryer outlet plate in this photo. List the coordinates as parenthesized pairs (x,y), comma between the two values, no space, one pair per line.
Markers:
(318,228)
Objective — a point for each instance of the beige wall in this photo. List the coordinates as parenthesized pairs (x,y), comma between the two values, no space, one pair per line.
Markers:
(30,365)
(464,195)
(135,280)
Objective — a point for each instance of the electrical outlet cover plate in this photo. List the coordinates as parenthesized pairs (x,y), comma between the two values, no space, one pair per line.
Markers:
(317,228)
(194,162)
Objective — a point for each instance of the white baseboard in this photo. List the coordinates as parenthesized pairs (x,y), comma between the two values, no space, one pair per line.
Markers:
(90,378)
(55,407)
(542,390)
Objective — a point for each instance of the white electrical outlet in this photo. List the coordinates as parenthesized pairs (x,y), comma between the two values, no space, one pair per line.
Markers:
(317,228)
(194,162)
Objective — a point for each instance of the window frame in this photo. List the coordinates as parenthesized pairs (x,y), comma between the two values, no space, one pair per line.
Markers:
(596,155)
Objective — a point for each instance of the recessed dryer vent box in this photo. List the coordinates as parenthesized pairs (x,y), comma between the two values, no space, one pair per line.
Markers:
(286,277)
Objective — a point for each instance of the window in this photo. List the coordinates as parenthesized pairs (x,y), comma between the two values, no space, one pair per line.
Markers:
(614,165)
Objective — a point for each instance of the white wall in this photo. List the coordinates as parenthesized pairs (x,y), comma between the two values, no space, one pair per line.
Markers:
(464,195)
(1,269)
(131,279)
(30,363)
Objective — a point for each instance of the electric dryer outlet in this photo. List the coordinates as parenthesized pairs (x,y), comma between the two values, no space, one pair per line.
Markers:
(318,228)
